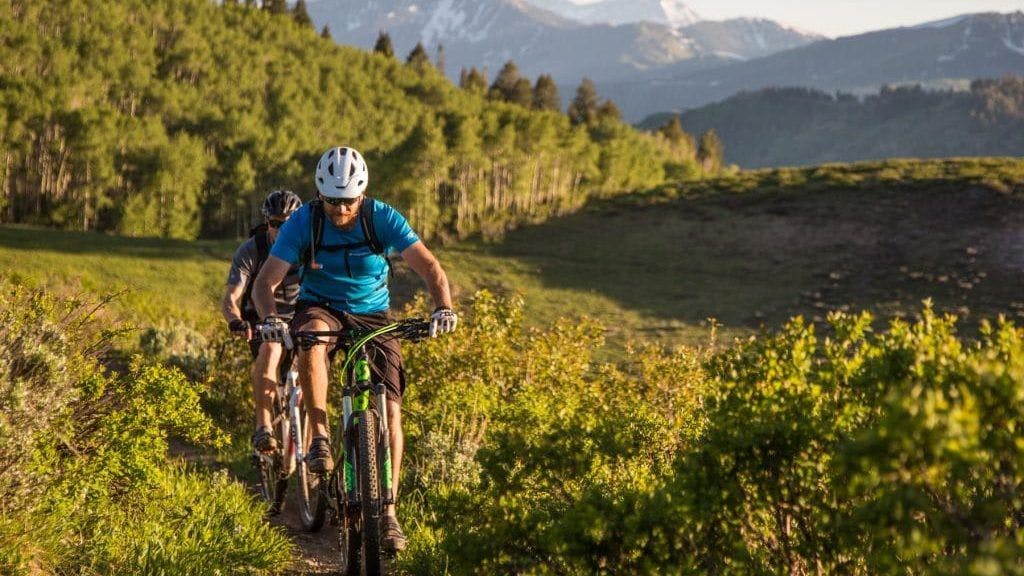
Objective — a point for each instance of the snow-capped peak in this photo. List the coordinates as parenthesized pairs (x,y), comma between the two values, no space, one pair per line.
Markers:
(672,13)
(678,14)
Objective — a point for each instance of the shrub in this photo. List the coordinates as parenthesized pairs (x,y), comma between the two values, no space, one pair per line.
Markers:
(86,483)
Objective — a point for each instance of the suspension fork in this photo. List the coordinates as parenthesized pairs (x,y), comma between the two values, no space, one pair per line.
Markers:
(387,482)
(379,390)
(297,431)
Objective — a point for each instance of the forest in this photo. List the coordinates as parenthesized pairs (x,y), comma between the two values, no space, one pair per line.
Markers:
(791,126)
(173,118)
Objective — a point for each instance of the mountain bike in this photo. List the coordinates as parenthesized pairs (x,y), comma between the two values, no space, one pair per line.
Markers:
(359,490)
(290,426)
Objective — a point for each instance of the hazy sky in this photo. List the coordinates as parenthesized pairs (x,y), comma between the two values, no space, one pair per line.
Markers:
(844,17)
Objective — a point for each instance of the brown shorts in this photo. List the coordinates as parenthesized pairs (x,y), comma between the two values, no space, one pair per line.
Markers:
(385,353)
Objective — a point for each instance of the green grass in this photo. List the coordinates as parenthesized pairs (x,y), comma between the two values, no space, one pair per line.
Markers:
(161,280)
(749,249)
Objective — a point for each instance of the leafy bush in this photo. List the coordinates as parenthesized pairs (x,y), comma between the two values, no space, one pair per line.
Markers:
(855,452)
(86,483)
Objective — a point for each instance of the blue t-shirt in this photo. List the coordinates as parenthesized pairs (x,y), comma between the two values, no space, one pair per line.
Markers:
(351,280)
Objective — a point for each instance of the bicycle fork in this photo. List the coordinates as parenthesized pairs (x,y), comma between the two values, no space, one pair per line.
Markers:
(352,402)
(294,436)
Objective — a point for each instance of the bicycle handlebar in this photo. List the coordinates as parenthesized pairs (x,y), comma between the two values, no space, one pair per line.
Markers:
(411,329)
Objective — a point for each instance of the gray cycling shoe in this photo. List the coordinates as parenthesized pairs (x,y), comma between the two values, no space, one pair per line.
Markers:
(263,440)
(319,457)
(394,538)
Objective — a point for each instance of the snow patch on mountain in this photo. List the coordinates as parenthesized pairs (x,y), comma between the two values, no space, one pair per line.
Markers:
(678,14)
(443,20)
(671,13)
(1008,40)
(945,23)
(1013,46)
(963,47)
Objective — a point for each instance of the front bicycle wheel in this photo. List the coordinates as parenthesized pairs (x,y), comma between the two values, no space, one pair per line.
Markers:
(309,490)
(272,484)
(369,491)
(273,479)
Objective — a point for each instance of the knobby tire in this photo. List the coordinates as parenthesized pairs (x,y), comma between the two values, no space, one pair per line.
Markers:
(310,487)
(367,431)
(273,481)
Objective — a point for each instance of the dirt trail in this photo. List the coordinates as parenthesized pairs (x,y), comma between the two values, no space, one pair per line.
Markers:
(316,553)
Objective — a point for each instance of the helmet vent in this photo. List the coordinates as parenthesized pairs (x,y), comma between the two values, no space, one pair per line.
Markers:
(330,168)
(351,170)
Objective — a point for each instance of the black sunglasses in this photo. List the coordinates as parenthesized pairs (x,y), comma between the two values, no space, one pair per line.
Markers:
(340,201)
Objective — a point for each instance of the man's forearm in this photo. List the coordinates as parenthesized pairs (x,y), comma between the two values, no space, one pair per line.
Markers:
(270,277)
(437,284)
(263,299)
(229,308)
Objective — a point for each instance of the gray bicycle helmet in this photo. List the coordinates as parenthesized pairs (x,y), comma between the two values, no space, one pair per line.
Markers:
(280,204)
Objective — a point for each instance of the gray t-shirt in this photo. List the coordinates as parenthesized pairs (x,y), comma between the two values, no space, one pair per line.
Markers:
(244,270)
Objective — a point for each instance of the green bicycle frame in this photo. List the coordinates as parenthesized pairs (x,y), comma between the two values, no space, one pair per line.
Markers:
(355,401)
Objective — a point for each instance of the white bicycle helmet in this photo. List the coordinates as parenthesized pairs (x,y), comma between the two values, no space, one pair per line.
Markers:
(341,173)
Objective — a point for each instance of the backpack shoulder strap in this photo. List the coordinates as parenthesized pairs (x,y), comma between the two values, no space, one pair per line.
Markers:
(366,212)
(316,236)
(262,248)
(262,240)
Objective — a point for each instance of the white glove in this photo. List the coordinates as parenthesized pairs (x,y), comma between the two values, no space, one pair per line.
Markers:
(274,329)
(442,321)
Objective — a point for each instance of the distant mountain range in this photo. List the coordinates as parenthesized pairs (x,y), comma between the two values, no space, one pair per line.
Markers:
(946,53)
(607,42)
(802,126)
(654,56)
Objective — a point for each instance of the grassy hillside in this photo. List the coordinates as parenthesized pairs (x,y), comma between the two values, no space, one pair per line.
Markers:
(799,126)
(748,250)
(867,424)
(174,118)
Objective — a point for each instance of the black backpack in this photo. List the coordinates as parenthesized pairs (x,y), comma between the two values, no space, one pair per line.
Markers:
(316,232)
(259,234)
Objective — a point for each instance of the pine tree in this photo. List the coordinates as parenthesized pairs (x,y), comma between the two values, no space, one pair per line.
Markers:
(583,108)
(545,94)
(522,93)
(325,33)
(440,60)
(673,130)
(608,111)
(275,6)
(384,45)
(710,152)
(681,143)
(473,81)
(301,14)
(504,86)
(418,58)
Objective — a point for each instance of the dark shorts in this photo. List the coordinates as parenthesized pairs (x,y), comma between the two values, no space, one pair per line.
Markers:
(385,353)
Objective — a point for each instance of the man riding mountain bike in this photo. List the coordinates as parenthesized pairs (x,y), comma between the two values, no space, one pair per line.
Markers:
(240,313)
(341,240)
